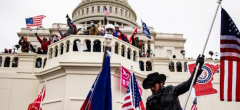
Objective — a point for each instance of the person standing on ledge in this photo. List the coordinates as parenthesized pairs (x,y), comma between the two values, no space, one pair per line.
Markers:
(24,44)
(166,98)
(71,31)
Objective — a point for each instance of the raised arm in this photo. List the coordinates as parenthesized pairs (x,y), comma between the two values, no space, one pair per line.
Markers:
(185,86)
(19,42)
(39,39)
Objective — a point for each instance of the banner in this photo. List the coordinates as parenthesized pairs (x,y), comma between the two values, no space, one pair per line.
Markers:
(125,78)
(204,84)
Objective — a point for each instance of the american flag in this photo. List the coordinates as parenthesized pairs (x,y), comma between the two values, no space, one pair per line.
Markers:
(106,11)
(230,59)
(34,21)
(133,100)
(194,106)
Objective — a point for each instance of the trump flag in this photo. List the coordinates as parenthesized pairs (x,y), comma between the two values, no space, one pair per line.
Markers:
(204,84)
(36,105)
(100,95)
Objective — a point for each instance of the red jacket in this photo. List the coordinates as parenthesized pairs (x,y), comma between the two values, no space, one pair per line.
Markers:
(45,45)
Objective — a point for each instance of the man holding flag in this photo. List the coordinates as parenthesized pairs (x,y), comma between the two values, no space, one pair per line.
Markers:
(166,98)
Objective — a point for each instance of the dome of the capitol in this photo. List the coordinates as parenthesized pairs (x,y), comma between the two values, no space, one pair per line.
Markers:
(120,12)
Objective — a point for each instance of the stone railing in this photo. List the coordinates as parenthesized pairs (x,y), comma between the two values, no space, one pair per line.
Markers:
(20,61)
(180,65)
(91,49)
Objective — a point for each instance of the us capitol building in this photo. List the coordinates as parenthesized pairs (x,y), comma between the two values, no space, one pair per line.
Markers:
(70,74)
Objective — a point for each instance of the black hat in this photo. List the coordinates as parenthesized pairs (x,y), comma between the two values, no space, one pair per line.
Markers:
(152,79)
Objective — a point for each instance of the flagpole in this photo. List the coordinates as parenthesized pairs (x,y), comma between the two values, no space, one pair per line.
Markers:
(133,86)
(42,95)
(195,74)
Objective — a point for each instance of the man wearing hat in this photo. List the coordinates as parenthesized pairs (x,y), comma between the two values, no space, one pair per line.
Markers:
(24,44)
(166,97)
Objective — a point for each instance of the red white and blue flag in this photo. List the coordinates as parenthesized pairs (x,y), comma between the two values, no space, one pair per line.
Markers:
(230,59)
(106,11)
(36,105)
(194,106)
(100,95)
(133,100)
(204,85)
(35,21)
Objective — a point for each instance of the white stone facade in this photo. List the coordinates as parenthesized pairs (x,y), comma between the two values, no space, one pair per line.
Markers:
(70,74)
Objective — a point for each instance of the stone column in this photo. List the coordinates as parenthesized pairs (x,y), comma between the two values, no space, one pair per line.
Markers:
(120,51)
(131,56)
(70,47)
(182,67)
(125,53)
(161,51)
(137,58)
(10,65)
(152,47)
(59,51)
(81,48)
(91,47)
(175,66)
(53,54)
(2,65)
(64,49)
(144,65)
(145,46)
(115,23)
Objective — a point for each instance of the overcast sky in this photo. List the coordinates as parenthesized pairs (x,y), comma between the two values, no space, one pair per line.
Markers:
(189,17)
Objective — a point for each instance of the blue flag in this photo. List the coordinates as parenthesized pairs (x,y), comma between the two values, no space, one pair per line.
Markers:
(145,30)
(100,95)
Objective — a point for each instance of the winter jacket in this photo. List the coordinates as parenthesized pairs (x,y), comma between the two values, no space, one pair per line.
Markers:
(93,30)
(24,45)
(44,45)
(167,98)
(135,42)
(71,31)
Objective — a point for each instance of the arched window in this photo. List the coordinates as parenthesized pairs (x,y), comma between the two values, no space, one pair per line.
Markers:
(56,51)
(123,51)
(179,66)
(92,9)
(129,15)
(7,62)
(148,66)
(68,44)
(79,12)
(141,65)
(1,61)
(185,67)
(15,62)
(126,13)
(87,10)
(62,47)
(45,61)
(116,10)
(171,66)
(129,53)
(98,9)
(121,12)
(97,46)
(77,45)
(134,55)
(38,63)
(116,47)
(83,12)
(110,9)
(87,46)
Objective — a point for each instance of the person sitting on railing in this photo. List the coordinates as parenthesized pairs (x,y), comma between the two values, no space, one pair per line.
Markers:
(71,31)
(24,44)
(39,50)
(94,29)
(44,43)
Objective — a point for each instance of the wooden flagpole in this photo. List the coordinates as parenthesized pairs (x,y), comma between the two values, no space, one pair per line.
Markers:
(195,74)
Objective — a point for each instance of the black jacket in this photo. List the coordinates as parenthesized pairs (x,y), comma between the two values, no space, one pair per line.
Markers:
(167,98)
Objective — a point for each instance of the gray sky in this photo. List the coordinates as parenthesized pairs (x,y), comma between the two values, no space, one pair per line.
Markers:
(189,17)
